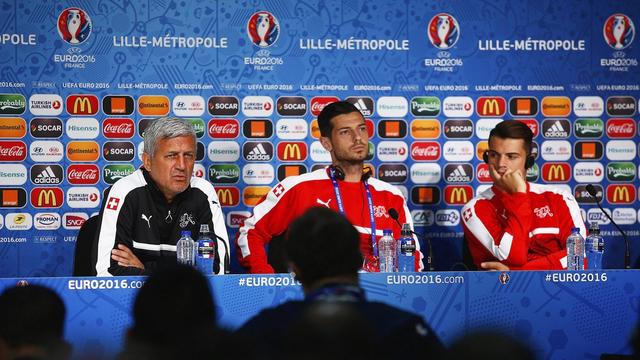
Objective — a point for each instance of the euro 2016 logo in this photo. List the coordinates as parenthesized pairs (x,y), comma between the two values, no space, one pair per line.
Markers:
(263,29)
(619,31)
(74,26)
(443,31)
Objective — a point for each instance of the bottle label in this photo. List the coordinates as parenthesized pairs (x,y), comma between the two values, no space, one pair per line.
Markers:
(205,249)
(407,247)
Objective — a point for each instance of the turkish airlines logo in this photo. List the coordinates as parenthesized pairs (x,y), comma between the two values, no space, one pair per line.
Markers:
(82,104)
(392,151)
(457,106)
(118,128)
(47,197)
(153,105)
(83,174)
(588,172)
(621,106)
(228,196)
(83,197)
(457,195)
(46,174)
(425,195)
(223,106)
(559,106)
(117,105)
(258,106)
(425,150)
(523,106)
(224,128)
(45,127)
(45,104)
(292,151)
(319,102)
(291,106)
(392,129)
(257,129)
(15,128)
(491,106)
(621,194)
(556,172)
(13,151)
(621,128)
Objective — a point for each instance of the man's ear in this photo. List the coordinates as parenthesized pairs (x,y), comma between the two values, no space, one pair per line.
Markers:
(326,143)
(146,161)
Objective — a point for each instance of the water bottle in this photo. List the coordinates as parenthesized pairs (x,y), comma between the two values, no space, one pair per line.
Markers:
(185,248)
(575,250)
(406,250)
(594,245)
(205,251)
(387,252)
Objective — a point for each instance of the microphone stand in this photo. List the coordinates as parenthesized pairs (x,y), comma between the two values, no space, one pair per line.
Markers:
(627,252)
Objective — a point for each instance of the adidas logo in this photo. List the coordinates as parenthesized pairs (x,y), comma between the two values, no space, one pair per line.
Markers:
(556,130)
(258,153)
(47,176)
(362,106)
(458,175)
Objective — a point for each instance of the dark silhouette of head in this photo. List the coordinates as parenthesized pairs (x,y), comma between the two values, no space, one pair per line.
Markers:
(514,129)
(32,322)
(488,345)
(322,245)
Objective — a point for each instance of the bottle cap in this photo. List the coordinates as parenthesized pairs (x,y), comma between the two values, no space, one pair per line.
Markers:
(185,233)
(406,229)
(575,230)
(204,228)
(386,232)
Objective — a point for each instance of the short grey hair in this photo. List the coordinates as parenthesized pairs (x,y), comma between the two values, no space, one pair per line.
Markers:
(167,127)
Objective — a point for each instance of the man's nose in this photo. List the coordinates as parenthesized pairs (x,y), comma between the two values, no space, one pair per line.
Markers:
(181,162)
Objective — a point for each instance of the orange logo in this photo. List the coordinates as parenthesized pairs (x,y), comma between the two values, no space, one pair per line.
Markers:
(481,147)
(150,105)
(392,128)
(253,195)
(315,129)
(556,106)
(13,128)
(258,128)
(589,150)
(425,129)
(83,151)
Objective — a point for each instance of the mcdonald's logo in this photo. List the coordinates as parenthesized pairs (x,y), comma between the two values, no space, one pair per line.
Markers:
(292,151)
(47,197)
(491,106)
(253,195)
(82,104)
(228,196)
(621,194)
(556,172)
(458,195)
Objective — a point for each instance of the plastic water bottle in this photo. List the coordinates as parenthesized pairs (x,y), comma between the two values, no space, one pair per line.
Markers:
(575,250)
(205,251)
(185,249)
(594,246)
(387,251)
(406,250)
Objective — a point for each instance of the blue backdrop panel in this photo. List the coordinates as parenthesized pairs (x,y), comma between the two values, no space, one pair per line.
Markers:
(79,81)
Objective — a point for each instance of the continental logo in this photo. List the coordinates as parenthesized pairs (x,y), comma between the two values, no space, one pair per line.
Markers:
(292,151)
(83,151)
(425,129)
(82,104)
(315,129)
(13,198)
(556,106)
(556,172)
(284,171)
(252,195)
(117,105)
(47,197)
(621,194)
(425,195)
(153,105)
(491,106)
(457,195)
(13,128)
(228,196)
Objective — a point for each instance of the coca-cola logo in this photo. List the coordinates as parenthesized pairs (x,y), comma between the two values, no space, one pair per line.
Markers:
(425,151)
(621,128)
(224,128)
(83,174)
(482,173)
(118,128)
(13,151)
(319,102)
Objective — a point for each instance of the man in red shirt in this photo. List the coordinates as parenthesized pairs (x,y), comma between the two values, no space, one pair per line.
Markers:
(343,187)
(516,224)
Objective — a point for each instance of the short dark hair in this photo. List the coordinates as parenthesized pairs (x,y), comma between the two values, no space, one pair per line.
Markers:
(330,111)
(322,243)
(514,129)
(31,315)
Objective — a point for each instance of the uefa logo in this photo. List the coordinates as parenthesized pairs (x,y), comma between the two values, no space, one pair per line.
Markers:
(443,31)
(74,26)
(263,29)
(619,31)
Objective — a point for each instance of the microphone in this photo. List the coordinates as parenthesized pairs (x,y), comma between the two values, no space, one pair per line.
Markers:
(627,253)
(393,213)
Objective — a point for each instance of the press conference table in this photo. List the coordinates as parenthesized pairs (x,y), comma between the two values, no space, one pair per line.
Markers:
(558,313)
